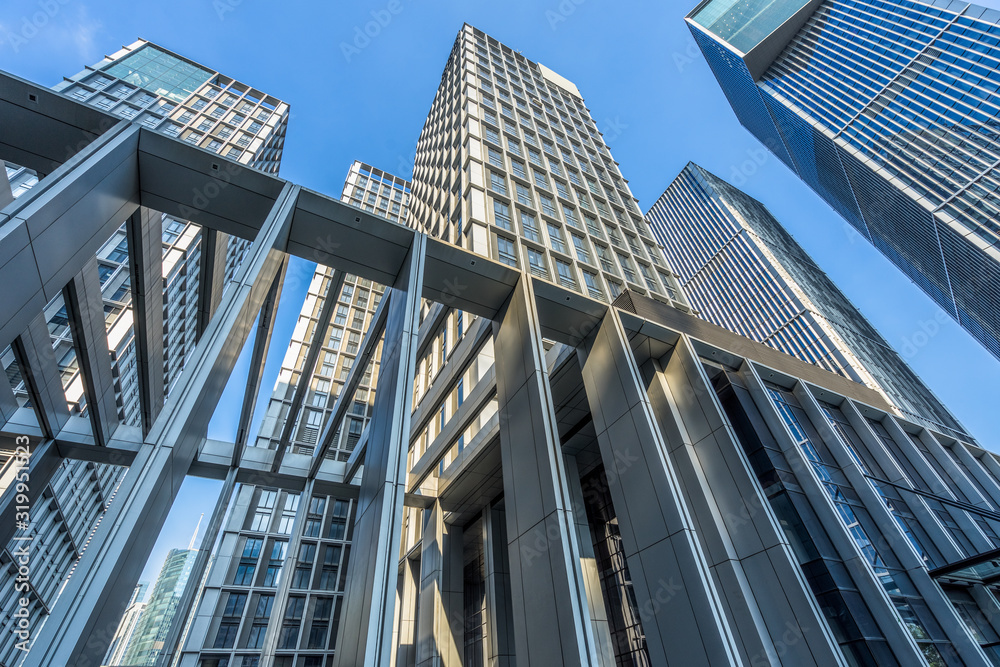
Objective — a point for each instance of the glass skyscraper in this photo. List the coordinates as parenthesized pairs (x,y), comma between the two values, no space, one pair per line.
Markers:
(741,270)
(889,110)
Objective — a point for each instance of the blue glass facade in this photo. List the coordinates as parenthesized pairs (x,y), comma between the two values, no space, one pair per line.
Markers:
(890,111)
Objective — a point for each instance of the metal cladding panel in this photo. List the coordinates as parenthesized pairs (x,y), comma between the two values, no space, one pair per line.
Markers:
(742,93)
(975,279)
(816,160)
(903,230)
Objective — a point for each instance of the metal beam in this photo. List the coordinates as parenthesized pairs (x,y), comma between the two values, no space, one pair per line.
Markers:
(40,370)
(258,359)
(43,128)
(369,344)
(211,274)
(143,230)
(365,631)
(330,299)
(79,631)
(85,310)
(47,235)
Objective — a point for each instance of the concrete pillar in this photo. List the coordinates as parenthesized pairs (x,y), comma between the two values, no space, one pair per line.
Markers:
(365,630)
(440,610)
(145,261)
(684,621)
(550,611)
(212,274)
(405,641)
(500,624)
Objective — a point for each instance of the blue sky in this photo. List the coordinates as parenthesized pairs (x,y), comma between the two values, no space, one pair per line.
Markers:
(647,86)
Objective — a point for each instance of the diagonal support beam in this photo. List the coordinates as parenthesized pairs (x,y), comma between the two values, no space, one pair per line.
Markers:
(145,263)
(35,357)
(330,298)
(85,310)
(211,274)
(365,355)
(79,631)
(261,344)
(366,625)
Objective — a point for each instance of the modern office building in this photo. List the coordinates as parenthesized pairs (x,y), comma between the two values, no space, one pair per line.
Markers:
(528,180)
(742,270)
(152,628)
(889,111)
(547,477)
(149,85)
(126,629)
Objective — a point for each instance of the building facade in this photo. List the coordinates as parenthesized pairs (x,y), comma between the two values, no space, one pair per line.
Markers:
(742,270)
(889,112)
(556,470)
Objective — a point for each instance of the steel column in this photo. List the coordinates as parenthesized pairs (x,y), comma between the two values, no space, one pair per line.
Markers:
(366,623)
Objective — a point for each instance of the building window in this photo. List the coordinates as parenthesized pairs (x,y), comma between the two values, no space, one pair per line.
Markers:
(322,612)
(506,251)
(262,614)
(627,269)
(248,562)
(529,227)
(501,216)
(536,261)
(565,274)
(289,634)
(497,183)
(556,240)
(275,563)
(580,244)
(496,158)
(593,287)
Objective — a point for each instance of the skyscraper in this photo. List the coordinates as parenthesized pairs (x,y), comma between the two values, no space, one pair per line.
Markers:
(539,189)
(548,476)
(889,111)
(743,271)
(126,629)
(151,629)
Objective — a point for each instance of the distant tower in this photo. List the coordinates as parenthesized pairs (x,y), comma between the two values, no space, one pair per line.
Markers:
(126,629)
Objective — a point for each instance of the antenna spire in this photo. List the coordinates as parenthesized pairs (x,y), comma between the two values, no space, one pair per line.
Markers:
(195,536)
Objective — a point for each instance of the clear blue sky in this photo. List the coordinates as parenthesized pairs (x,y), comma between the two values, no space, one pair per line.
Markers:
(649,90)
